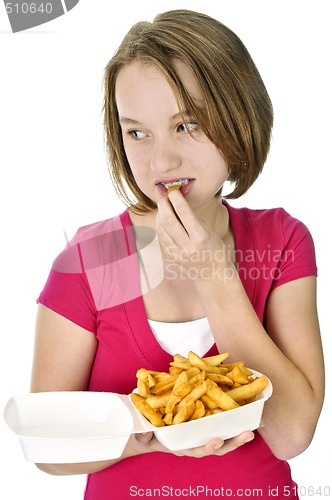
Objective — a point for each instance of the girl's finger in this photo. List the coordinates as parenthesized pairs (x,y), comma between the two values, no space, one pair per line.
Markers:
(168,221)
(184,212)
(221,448)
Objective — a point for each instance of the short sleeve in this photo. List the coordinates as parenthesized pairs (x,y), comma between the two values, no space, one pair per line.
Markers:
(95,271)
(67,291)
(297,259)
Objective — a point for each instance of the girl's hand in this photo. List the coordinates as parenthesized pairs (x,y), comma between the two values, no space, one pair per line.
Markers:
(147,443)
(188,243)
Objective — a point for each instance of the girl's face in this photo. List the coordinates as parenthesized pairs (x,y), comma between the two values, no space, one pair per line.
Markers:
(157,143)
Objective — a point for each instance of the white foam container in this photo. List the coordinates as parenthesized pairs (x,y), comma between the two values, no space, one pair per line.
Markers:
(72,427)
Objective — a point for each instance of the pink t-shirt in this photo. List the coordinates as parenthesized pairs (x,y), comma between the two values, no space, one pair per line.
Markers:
(95,283)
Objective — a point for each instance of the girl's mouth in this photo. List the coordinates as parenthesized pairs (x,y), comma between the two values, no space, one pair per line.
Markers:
(184,185)
(180,183)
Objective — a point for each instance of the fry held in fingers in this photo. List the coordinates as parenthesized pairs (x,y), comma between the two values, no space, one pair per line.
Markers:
(175,185)
(194,388)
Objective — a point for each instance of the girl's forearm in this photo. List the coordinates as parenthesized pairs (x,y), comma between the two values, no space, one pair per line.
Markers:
(137,444)
(76,468)
(290,416)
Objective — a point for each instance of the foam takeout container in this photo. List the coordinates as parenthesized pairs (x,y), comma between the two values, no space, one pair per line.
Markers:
(79,426)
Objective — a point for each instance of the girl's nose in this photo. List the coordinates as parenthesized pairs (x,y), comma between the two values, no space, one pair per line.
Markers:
(164,156)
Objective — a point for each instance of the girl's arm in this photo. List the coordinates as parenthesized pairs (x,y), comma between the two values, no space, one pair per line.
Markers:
(289,351)
(290,354)
(63,358)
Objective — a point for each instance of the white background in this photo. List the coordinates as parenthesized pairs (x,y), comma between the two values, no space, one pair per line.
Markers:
(54,176)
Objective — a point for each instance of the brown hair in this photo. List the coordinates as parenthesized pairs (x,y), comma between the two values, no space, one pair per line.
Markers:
(238,114)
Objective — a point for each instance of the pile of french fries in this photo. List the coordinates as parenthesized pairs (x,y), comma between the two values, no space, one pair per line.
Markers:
(193,388)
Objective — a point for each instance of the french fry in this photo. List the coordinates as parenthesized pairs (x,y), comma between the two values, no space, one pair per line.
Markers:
(173,399)
(180,362)
(143,389)
(151,381)
(191,372)
(174,370)
(168,418)
(171,403)
(223,400)
(220,379)
(184,413)
(173,186)
(249,390)
(178,357)
(238,375)
(230,366)
(199,410)
(199,377)
(184,389)
(182,379)
(216,360)
(195,360)
(195,388)
(164,385)
(246,371)
(142,374)
(208,402)
(146,410)
(197,392)
(159,400)
(184,365)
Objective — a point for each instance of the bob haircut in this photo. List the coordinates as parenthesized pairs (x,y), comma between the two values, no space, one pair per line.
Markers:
(238,114)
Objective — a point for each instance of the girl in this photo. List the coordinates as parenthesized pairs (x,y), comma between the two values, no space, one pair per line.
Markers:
(184,270)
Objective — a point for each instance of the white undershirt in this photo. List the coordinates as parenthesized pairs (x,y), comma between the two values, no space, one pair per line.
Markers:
(180,338)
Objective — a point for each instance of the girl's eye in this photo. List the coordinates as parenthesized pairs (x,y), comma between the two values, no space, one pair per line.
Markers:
(187,127)
(136,134)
